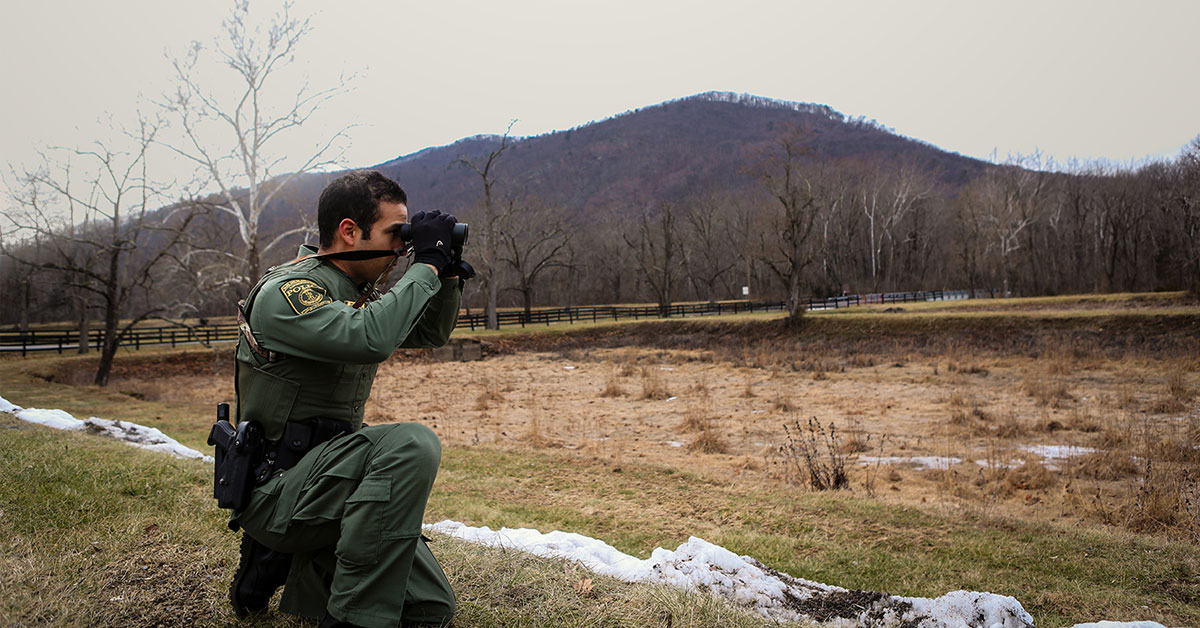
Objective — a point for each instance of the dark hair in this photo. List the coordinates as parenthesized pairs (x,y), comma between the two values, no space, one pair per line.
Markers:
(355,195)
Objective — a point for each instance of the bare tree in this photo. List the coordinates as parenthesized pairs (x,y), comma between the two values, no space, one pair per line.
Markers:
(1010,198)
(1187,202)
(707,255)
(799,199)
(93,213)
(535,243)
(232,137)
(886,197)
(493,221)
(657,252)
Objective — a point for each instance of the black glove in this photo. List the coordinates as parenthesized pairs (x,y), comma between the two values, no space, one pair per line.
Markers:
(432,233)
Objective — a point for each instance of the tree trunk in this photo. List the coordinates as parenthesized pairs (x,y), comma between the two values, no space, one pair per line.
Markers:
(85,324)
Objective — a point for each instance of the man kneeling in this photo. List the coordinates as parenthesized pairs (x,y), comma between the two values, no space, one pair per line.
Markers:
(337,507)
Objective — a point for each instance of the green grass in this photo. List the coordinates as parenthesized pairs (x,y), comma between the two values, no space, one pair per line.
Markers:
(1062,574)
(100,533)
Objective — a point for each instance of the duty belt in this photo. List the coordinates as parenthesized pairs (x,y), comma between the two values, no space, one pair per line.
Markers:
(299,437)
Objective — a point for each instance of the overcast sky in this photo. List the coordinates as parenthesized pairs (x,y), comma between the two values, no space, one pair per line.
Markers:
(1092,79)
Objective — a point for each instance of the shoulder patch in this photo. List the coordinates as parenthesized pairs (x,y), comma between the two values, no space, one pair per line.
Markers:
(304,295)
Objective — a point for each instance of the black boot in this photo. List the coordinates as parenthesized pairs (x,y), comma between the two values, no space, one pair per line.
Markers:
(260,572)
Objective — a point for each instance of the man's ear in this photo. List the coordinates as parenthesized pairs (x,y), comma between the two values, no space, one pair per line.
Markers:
(348,232)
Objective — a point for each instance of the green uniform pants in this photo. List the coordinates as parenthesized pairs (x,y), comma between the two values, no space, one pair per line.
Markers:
(351,512)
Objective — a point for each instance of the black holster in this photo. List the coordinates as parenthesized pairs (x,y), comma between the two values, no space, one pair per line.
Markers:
(238,453)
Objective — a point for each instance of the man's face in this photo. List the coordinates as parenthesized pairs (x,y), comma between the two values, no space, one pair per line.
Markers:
(385,234)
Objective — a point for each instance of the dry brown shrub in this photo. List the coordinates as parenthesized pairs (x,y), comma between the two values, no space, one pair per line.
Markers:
(1176,396)
(860,360)
(1082,420)
(958,400)
(653,386)
(533,434)
(959,417)
(1059,358)
(748,388)
(1031,476)
(1127,397)
(490,393)
(628,368)
(612,386)
(1049,392)
(696,417)
(1177,386)
(855,444)
(782,403)
(1102,465)
(966,369)
(708,441)
(1009,427)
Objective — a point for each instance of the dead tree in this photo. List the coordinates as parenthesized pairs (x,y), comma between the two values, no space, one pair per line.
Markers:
(534,244)
(93,211)
(232,136)
(656,250)
(493,221)
(707,254)
(799,199)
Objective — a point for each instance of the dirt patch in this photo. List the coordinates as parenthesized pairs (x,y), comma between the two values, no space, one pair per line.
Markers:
(922,415)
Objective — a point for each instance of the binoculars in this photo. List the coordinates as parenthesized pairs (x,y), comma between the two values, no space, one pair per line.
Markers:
(457,239)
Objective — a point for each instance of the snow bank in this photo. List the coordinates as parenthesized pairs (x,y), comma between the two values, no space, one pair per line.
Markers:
(701,565)
(125,431)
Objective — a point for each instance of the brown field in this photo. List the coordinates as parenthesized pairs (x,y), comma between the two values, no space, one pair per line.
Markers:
(916,407)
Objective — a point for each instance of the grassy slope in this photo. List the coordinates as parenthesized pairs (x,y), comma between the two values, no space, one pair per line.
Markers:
(99,533)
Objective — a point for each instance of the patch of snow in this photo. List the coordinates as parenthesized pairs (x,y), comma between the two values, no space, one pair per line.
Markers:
(5,406)
(672,398)
(1057,452)
(996,464)
(568,368)
(666,368)
(57,419)
(141,436)
(675,443)
(698,564)
(125,431)
(758,412)
(920,462)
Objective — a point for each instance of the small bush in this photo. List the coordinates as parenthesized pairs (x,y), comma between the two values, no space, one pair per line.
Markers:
(612,386)
(812,456)
(1048,392)
(653,387)
(708,441)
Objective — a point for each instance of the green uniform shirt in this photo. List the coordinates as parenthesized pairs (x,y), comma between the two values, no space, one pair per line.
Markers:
(304,310)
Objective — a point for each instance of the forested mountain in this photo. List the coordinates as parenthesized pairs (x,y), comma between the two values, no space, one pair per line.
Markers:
(699,197)
(666,152)
(671,151)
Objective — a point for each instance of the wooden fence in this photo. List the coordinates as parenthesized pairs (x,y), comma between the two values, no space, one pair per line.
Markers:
(62,339)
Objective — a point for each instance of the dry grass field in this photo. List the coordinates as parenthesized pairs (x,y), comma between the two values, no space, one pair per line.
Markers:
(1047,449)
(1077,409)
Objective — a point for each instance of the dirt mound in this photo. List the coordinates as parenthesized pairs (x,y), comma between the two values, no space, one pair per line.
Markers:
(1113,335)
